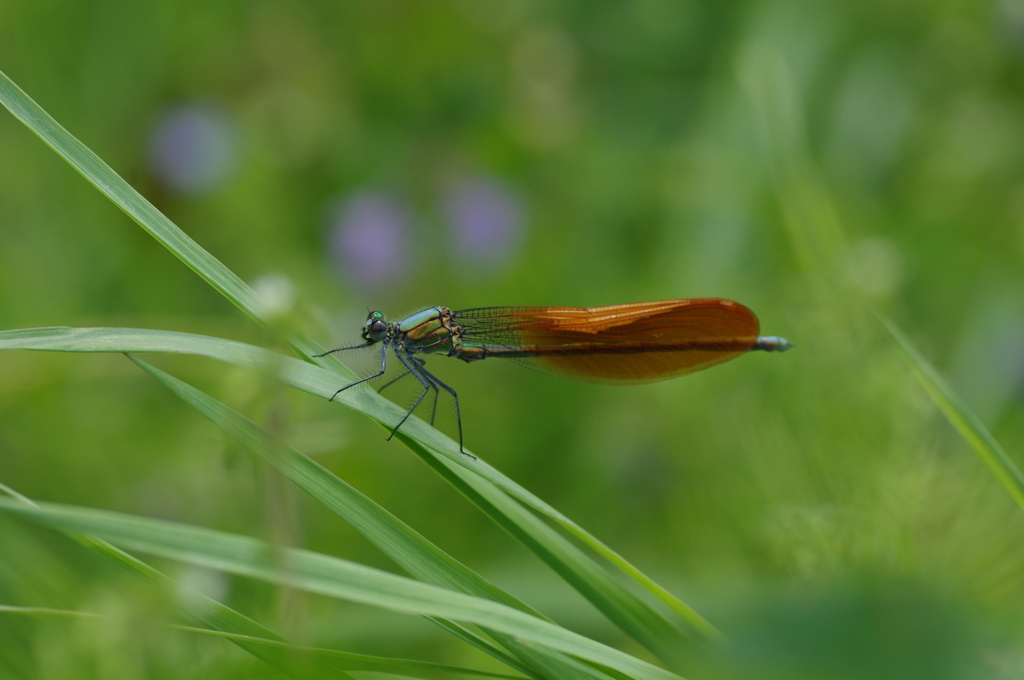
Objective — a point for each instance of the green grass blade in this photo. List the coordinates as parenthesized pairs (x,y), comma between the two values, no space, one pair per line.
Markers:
(47,612)
(196,605)
(960,416)
(542,661)
(356,662)
(474,640)
(625,609)
(406,547)
(346,660)
(699,624)
(324,575)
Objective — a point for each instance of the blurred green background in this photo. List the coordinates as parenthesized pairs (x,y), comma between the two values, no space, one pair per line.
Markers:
(810,160)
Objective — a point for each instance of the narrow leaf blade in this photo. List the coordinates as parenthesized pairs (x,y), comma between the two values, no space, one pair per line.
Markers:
(960,416)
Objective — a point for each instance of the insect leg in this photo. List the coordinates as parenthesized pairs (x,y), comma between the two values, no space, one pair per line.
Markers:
(433,413)
(426,388)
(429,377)
(383,366)
(393,380)
(342,349)
(402,375)
(458,413)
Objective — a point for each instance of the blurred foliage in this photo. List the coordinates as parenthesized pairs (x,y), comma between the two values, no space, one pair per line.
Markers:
(806,159)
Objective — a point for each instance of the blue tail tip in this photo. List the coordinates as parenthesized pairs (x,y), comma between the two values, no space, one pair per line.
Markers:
(773,344)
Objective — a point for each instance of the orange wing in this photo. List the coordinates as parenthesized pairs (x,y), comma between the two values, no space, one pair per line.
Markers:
(632,343)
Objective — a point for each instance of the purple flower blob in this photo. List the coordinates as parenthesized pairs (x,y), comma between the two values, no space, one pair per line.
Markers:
(192,149)
(368,237)
(486,218)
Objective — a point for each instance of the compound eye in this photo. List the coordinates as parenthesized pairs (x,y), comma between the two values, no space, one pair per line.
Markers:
(376,328)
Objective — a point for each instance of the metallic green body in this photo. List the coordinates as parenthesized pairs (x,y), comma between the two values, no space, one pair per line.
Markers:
(426,332)
(432,331)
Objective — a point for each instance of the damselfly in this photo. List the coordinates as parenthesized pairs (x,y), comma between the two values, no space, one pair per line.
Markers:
(619,344)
